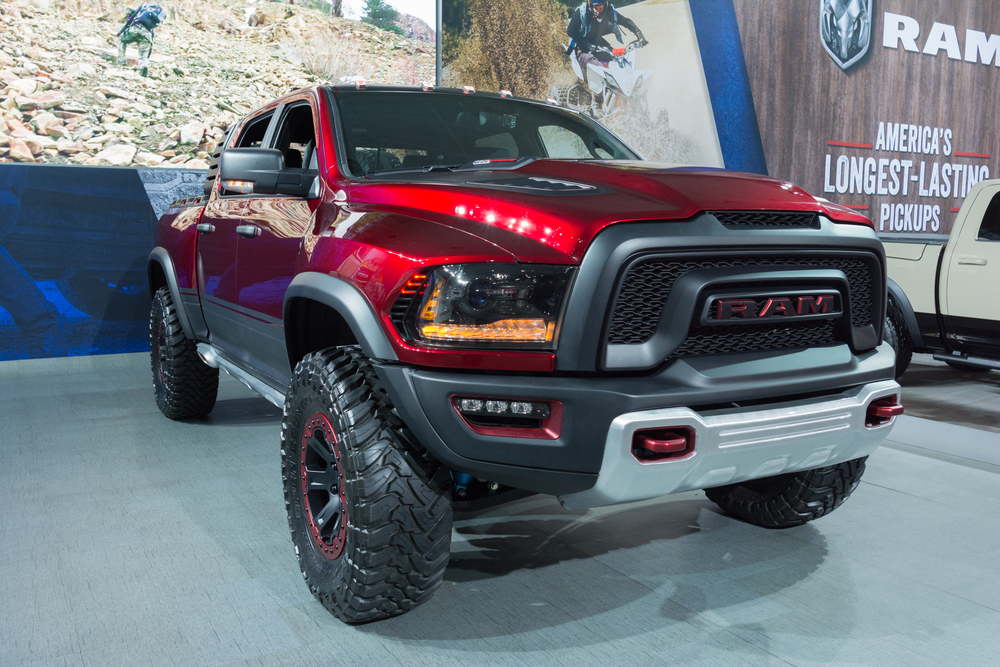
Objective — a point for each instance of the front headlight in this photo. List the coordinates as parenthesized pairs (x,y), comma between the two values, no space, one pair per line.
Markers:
(484,305)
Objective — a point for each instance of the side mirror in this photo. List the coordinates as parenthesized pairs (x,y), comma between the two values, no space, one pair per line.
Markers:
(251,170)
(262,171)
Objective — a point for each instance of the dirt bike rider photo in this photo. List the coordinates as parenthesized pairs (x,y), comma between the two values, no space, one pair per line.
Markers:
(589,27)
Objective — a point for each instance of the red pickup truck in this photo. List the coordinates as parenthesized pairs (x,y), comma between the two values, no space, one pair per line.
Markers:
(459,298)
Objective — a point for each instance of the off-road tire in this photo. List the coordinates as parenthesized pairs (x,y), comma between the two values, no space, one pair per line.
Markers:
(896,334)
(579,98)
(391,500)
(184,385)
(558,93)
(792,499)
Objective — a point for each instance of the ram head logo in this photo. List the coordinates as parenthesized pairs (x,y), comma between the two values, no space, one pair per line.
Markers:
(845,27)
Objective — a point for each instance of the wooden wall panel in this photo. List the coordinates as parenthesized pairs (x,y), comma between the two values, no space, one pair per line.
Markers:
(804,99)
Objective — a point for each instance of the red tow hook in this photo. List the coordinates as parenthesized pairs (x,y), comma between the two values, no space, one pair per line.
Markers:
(882,410)
(657,444)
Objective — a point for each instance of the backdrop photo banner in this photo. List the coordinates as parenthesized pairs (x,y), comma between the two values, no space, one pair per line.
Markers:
(879,105)
(885,106)
(111,110)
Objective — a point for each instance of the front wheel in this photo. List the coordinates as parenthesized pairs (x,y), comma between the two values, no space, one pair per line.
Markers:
(183,384)
(791,499)
(369,509)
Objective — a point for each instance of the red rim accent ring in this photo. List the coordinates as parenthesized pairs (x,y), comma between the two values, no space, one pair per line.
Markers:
(322,485)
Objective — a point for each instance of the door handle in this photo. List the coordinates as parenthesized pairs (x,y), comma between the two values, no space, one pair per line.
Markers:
(973,261)
(205,227)
(248,231)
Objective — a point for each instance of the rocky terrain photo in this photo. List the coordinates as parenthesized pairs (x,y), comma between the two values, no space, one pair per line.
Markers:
(64,98)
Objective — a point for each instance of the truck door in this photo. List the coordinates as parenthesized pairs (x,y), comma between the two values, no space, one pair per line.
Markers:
(970,275)
(268,260)
(217,250)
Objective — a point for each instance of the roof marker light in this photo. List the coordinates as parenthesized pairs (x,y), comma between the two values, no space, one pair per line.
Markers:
(427,86)
(468,90)
(551,100)
(506,93)
(360,83)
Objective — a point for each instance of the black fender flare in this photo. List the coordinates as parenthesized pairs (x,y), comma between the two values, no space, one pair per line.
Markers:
(898,296)
(162,257)
(350,304)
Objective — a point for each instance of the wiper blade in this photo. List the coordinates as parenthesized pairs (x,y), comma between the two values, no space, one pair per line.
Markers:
(441,167)
(415,170)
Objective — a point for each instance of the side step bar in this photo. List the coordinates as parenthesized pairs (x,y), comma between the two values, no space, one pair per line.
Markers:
(211,357)
(978,362)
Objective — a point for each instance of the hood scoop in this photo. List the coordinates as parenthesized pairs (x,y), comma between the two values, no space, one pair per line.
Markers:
(542,185)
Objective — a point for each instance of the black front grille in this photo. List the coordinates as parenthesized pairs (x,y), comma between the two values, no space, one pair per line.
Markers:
(644,290)
(745,219)
(710,340)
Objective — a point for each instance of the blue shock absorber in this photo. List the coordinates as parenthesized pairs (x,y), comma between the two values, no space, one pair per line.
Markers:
(462,481)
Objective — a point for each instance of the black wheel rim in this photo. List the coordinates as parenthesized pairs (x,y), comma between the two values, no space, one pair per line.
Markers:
(322,481)
(160,357)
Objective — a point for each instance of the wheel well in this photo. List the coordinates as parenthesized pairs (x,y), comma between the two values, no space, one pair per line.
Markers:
(157,278)
(312,326)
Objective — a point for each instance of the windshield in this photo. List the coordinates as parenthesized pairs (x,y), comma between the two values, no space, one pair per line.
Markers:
(393,131)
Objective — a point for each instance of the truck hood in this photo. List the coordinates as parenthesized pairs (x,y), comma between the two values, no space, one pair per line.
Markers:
(550,210)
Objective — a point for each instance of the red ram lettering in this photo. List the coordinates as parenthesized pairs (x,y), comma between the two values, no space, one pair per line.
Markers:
(814,305)
(780,306)
(736,308)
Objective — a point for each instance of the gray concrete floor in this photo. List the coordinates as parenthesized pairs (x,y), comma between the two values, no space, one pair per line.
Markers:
(933,390)
(127,539)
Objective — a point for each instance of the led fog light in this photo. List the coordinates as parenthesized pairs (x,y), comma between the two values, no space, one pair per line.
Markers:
(510,419)
(494,407)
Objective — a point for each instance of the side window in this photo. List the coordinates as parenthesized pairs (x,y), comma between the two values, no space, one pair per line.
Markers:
(253,133)
(989,230)
(562,143)
(296,138)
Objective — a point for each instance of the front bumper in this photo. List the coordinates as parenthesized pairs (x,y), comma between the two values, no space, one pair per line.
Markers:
(737,445)
(593,407)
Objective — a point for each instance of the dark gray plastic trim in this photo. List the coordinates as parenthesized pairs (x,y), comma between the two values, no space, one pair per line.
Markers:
(909,317)
(352,306)
(697,284)
(162,257)
(423,398)
(580,340)
(398,383)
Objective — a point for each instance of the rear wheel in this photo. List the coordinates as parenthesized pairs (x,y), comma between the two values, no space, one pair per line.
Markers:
(369,509)
(579,98)
(558,93)
(184,385)
(792,499)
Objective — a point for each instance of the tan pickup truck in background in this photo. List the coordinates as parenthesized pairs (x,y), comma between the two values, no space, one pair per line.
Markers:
(944,296)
